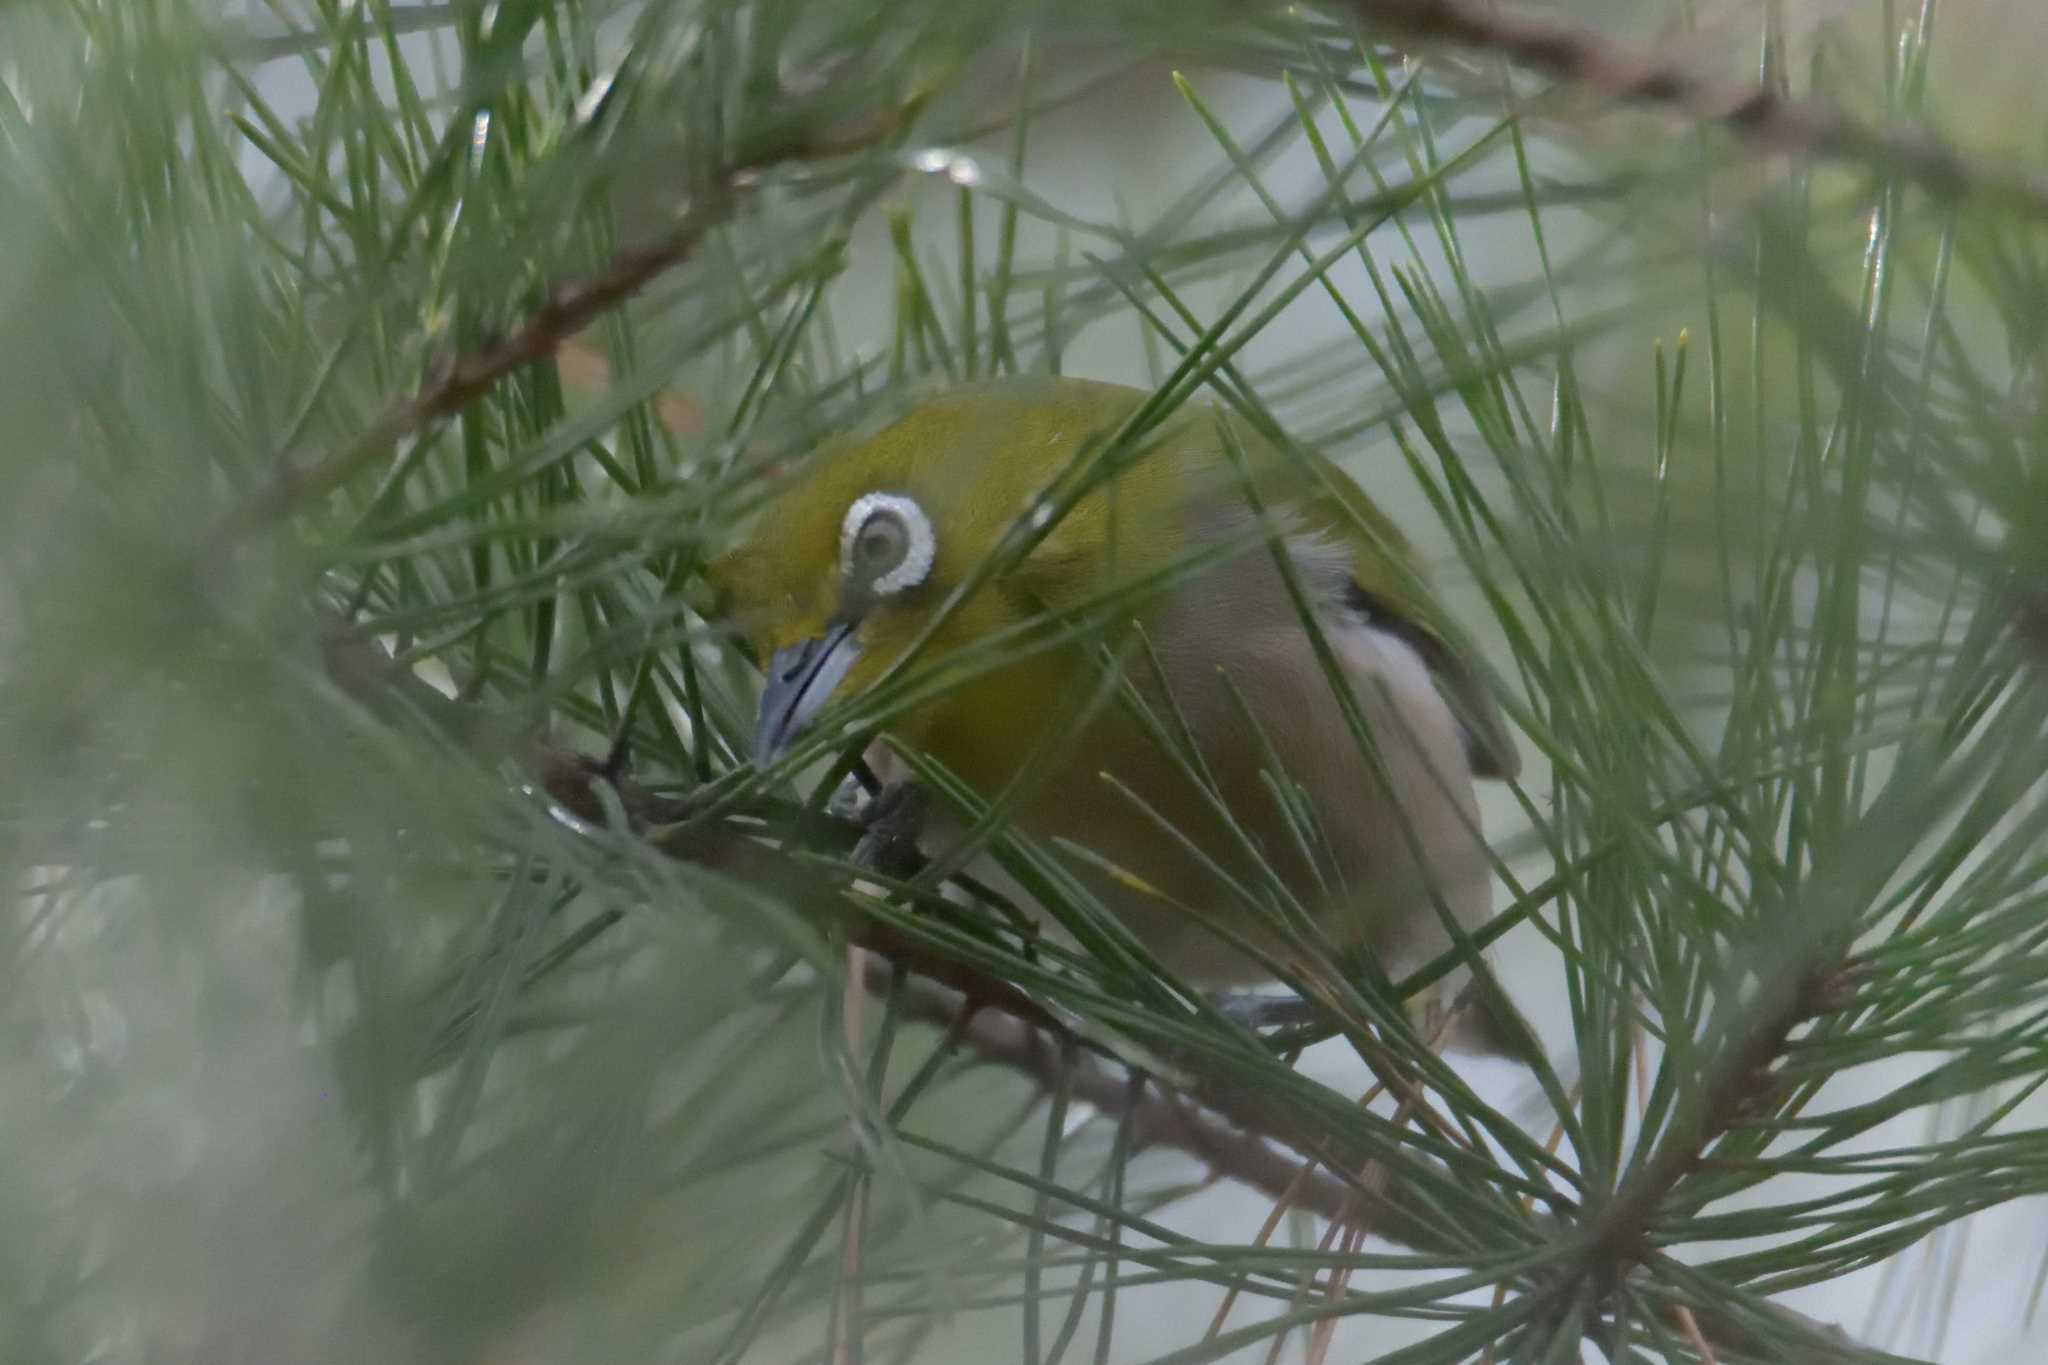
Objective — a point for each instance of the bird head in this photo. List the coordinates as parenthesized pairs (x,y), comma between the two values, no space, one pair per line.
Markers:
(857,559)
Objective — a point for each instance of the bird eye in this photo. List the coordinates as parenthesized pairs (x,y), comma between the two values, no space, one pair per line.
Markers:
(885,544)
(881,543)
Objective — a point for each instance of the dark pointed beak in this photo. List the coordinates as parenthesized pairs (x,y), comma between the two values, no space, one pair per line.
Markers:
(801,679)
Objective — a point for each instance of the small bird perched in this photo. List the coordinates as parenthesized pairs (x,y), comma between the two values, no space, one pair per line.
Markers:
(864,556)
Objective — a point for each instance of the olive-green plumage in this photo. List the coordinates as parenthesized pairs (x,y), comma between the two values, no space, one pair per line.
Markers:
(831,584)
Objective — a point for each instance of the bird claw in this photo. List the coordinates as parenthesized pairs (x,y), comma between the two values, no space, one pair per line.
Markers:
(894,822)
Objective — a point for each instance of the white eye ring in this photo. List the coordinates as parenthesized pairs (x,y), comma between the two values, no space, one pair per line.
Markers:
(919,550)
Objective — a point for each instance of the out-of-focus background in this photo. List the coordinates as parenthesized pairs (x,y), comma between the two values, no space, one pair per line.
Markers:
(329,1037)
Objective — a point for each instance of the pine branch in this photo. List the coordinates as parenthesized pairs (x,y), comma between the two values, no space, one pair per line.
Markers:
(1201,1114)
(1739,1080)
(1765,119)
(1161,1113)
(460,379)
(1251,1138)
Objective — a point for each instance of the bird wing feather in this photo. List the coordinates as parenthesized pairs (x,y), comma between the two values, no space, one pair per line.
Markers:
(1386,591)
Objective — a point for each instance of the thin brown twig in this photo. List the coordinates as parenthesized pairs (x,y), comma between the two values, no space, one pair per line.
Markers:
(1373,1176)
(1764,118)
(1267,1228)
(1691,1326)
(1324,1243)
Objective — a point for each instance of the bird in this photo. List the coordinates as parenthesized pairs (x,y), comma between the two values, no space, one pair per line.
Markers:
(1114,615)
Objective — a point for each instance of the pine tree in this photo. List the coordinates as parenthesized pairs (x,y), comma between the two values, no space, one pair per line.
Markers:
(406,960)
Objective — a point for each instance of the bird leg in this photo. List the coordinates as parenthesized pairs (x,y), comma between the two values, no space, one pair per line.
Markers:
(894,821)
(1283,1018)
(1258,1011)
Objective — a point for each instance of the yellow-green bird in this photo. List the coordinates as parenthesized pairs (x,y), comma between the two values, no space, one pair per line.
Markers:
(864,556)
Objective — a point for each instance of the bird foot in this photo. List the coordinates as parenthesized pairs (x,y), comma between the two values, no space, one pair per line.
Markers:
(894,822)
(1259,1012)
